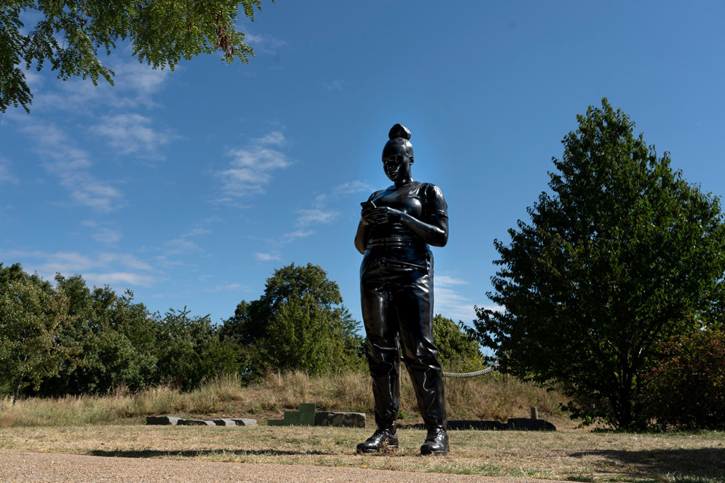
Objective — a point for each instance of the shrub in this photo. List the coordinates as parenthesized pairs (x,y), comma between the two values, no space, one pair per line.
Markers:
(686,389)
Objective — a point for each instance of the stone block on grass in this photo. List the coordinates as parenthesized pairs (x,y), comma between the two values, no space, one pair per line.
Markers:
(245,421)
(348,420)
(162,420)
(195,422)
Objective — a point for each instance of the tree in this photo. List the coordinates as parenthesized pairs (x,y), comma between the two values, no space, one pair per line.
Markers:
(190,351)
(70,32)
(33,317)
(116,339)
(457,350)
(299,323)
(621,255)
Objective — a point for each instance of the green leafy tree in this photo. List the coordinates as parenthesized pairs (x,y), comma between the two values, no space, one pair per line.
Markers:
(621,255)
(69,34)
(190,351)
(116,341)
(457,350)
(33,317)
(299,323)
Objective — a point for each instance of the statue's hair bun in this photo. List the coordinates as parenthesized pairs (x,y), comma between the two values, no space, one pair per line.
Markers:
(399,131)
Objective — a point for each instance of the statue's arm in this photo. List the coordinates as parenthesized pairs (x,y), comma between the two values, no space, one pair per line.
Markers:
(361,236)
(433,228)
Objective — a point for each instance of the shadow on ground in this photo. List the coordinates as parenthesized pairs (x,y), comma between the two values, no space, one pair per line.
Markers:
(689,463)
(197,453)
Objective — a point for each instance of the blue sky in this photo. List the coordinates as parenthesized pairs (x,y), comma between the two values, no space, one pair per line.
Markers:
(190,187)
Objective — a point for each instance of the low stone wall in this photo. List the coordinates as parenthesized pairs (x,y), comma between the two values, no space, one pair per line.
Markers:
(174,421)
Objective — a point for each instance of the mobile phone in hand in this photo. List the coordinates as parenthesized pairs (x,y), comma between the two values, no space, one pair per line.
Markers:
(368,204)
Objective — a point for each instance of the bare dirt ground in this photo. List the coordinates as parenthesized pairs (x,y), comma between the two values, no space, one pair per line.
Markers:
(21,465)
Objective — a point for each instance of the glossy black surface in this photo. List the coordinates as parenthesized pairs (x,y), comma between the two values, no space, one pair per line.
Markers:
(396,284)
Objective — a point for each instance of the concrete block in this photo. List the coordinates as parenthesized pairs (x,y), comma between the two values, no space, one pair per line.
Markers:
(195,422)
(477,425)
(524,424)
(245,422)
(307,414)
(349,420)
(224,422)
(162,420)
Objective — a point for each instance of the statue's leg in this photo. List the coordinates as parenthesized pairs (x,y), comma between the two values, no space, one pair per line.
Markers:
(414,303)
(383,352)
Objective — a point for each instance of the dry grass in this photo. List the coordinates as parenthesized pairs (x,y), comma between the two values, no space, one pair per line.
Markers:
(490,397)
(568,456)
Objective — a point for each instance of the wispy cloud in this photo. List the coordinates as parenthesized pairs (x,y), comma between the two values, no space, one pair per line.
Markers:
(132,134)
(251,167)
(72,167)
(6,175)
(315,216)
(290,237)
(449,302)
(264,43)
(184,244)
(103,234)
(336,85)
(232,287)
(102,268)
(352,188)
(134,86)
(268,257)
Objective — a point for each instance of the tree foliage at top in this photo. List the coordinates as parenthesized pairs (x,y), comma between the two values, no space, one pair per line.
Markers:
(298,323)
(69,34)
(622,255)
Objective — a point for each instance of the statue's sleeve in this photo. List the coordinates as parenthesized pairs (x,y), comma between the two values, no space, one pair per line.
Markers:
(436,205)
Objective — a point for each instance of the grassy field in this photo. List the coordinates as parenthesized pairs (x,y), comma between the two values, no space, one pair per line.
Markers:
(112,426)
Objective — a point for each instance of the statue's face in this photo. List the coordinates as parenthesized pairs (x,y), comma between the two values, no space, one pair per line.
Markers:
(396,162)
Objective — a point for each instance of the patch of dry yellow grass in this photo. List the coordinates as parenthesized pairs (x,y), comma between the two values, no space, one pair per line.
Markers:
(490,397)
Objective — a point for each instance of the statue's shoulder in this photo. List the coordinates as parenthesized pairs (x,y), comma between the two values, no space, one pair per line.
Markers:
(433,199)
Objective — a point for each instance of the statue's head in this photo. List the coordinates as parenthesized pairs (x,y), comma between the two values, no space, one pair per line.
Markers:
(398,154)
(399,141)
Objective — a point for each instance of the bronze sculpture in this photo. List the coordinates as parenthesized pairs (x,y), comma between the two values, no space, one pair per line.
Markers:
(396,284)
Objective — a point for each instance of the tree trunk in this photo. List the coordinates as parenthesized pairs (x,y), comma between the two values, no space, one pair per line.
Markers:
(17,389)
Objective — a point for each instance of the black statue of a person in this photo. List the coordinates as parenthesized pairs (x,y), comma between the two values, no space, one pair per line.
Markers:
(396,283)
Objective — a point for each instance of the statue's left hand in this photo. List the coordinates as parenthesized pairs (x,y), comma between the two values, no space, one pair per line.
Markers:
(382,215)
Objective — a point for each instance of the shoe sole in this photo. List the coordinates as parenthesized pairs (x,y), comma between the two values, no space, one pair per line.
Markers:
(427,452)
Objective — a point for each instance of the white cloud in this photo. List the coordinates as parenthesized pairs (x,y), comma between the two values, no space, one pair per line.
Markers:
(275,137)
(232,287)
(100,269)
(132,134)
(449,302)
(135,84)
(116,278)
(315,216)
(71,165)
(267,257)
(352,187)
(6,176)
(290,237)
(336,85)
(264,43)
(250,169)
(107,236)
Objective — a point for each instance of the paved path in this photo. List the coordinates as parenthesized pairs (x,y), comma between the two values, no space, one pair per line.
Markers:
(21,465)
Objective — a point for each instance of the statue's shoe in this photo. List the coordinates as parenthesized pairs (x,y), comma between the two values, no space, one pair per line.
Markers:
(436,442)
(381,438)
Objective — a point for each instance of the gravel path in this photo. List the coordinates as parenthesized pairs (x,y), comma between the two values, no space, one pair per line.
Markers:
(22,465)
